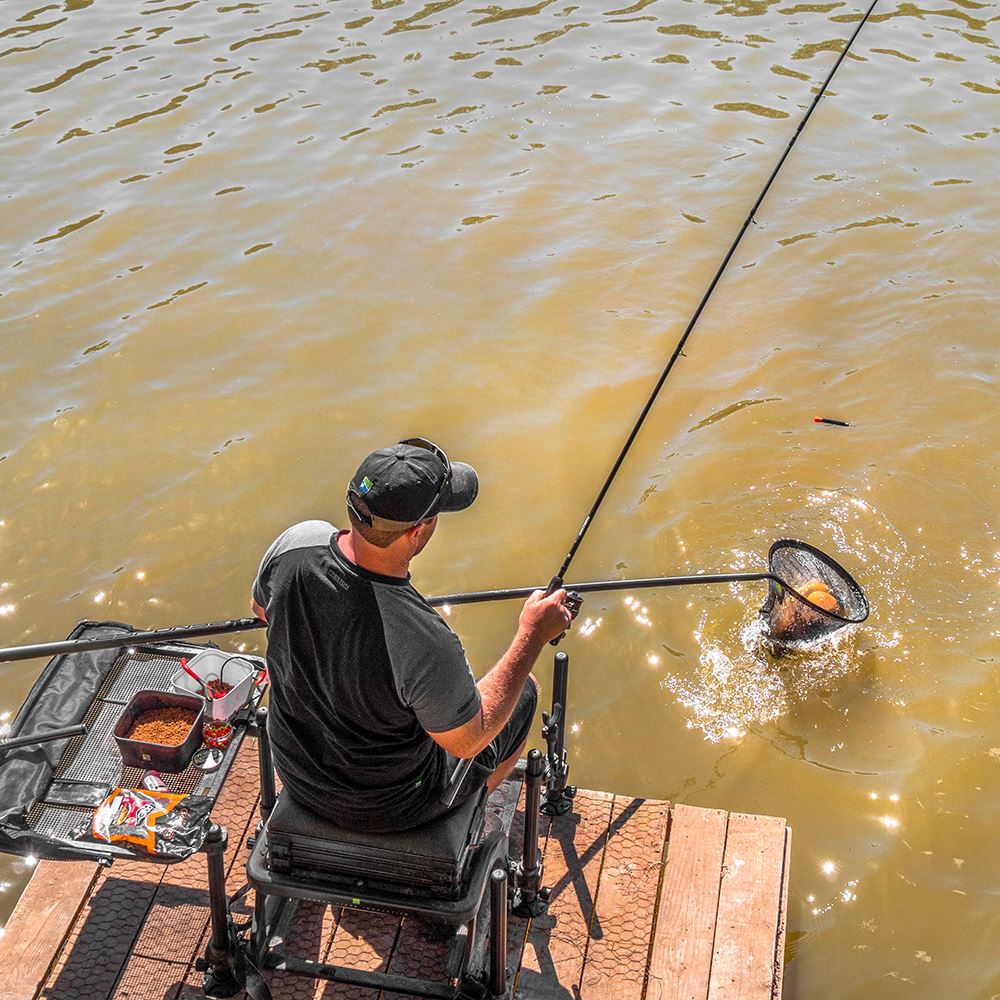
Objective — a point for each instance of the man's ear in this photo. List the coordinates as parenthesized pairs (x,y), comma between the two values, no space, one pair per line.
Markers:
(415,534)
(420,534)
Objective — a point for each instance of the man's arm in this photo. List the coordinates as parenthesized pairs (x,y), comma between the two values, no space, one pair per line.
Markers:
(542,618)
(257,610)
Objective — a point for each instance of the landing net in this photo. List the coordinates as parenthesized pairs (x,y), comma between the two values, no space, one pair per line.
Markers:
(827,597)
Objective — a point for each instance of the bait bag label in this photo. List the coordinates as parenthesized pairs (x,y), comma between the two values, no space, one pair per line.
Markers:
(163,823)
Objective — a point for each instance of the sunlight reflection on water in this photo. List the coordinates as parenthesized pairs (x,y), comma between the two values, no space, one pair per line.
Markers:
(742,682)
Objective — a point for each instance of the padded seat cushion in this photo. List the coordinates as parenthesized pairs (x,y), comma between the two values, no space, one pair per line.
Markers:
(432,858)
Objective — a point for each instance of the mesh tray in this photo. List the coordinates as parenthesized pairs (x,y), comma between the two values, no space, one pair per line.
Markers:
(146,670)
(95,761)
(93,757)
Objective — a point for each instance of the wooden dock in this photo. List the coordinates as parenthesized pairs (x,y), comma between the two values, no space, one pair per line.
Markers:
(648,901)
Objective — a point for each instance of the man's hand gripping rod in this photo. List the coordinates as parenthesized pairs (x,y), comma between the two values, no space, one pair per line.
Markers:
(572,602)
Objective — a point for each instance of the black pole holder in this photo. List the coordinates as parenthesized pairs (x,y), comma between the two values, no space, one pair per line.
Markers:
(558,795)
(265,763)
(530,899)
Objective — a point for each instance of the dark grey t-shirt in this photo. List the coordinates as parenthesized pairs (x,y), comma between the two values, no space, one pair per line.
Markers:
(362,668)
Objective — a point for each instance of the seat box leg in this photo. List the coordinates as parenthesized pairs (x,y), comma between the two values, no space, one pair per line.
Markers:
(258,926)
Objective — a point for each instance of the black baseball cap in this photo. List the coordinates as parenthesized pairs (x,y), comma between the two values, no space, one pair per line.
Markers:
(398,487)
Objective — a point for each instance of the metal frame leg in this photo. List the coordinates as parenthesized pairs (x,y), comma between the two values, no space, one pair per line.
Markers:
(498,933)
(259,936)
(220,955)
(530,900)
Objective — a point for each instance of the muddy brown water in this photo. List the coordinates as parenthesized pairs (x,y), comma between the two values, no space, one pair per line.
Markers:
(244,243)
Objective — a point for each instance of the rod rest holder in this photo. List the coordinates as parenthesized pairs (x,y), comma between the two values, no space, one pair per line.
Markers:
(558,794)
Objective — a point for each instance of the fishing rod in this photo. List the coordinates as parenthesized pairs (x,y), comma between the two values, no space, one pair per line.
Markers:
(182,632)
(557,580)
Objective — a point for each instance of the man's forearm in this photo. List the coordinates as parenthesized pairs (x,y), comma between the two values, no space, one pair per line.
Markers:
(502,686)
(542,618)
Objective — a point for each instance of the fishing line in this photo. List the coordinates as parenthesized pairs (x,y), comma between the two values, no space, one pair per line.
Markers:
(557,580)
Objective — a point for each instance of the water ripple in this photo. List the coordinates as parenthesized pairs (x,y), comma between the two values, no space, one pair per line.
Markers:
(753,109)
(70,227)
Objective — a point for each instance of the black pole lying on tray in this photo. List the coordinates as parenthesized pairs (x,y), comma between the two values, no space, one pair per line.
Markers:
(33,739)
(47,649)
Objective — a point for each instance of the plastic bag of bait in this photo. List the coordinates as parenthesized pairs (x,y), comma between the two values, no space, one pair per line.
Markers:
(163,823)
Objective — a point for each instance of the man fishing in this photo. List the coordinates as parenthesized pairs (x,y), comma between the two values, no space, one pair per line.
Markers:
(373,700)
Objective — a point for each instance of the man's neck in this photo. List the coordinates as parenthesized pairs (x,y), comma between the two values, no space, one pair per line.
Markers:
(385,562)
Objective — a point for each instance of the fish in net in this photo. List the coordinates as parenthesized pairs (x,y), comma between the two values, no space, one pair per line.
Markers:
(810,595)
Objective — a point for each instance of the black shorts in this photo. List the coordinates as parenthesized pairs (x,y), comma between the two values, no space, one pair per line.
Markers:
(504,744)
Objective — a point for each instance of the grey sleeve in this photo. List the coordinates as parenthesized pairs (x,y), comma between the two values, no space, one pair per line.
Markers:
(298,536)
(432,672)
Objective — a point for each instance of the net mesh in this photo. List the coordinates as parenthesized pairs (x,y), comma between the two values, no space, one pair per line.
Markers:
(833,598)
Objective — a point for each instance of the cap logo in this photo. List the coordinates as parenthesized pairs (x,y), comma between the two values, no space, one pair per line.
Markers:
(366,485)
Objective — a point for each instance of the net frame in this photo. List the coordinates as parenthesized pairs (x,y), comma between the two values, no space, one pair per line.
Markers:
(803,620)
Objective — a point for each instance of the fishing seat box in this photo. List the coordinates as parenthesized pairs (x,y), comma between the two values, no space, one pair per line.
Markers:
(429,860)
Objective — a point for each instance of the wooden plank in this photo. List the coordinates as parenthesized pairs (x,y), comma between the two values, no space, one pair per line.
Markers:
(779,949)
(552,962)
(175,927)
(181,902)
(615,966)
(684,936)
(40,923)
(749,905)
(309,937)
(148,977)
(718,931)
(421,952)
